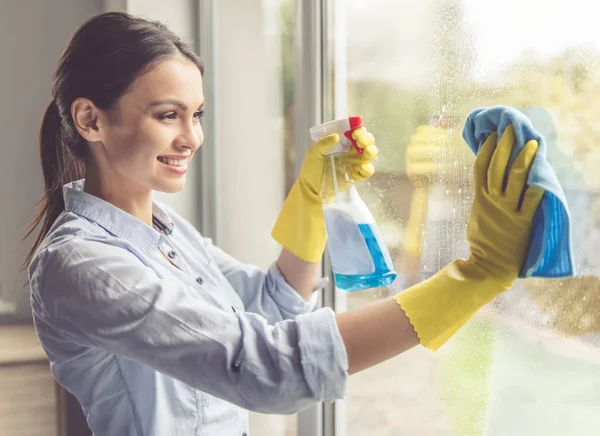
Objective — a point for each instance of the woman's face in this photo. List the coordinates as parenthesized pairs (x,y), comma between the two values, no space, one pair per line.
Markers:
(153,132)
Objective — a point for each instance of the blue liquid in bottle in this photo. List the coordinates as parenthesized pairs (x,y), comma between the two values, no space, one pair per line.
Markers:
(382,276)
(360,259)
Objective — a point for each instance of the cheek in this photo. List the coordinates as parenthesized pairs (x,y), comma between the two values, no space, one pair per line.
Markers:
(136,149)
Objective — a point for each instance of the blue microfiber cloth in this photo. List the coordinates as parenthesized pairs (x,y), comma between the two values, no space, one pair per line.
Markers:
(550,253)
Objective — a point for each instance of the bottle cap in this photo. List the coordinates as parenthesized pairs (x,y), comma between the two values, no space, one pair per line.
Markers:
(343,127)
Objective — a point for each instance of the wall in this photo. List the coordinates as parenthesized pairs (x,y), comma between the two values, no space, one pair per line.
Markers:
(33,35)
(251,170)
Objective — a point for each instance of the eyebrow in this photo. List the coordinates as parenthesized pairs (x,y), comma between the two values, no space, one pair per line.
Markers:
(172,101)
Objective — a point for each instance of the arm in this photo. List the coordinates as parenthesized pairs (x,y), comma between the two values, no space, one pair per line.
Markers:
(374,333)
(299,274)
(370,334)
(102,296)
(283,292)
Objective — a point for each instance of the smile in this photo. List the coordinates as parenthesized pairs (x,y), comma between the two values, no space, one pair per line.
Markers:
(177,166)
(173,162)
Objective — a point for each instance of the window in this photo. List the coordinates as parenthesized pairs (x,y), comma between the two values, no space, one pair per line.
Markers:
(528,363)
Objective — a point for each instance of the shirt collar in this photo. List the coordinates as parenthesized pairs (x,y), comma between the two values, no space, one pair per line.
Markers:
(116,221)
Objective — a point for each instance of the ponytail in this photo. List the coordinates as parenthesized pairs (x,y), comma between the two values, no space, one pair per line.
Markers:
(59,166)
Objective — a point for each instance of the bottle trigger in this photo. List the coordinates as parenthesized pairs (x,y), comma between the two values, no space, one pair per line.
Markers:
(355,123)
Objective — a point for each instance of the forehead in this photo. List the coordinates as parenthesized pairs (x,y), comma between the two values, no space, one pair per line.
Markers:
(176,77)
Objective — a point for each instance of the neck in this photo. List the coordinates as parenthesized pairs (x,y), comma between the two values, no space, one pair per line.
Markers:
(124,194)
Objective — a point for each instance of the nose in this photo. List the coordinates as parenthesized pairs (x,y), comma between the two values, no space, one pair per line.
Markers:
(192,137)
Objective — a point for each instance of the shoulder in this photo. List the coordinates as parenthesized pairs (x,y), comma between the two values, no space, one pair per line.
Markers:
(76,257)
(67,239)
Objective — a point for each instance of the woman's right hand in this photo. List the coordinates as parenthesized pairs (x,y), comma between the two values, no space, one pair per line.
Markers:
(498,232)
(500,224)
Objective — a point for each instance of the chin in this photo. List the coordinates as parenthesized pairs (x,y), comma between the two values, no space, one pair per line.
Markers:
(170,187)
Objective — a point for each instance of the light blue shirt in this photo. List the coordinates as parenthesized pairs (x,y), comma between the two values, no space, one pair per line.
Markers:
(152,348)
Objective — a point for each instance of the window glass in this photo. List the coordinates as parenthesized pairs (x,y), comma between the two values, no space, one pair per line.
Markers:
(528,363)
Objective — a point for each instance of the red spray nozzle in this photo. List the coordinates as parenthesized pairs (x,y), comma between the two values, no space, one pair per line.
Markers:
(355,123)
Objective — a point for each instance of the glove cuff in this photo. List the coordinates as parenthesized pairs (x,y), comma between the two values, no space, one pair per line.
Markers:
(300,227)
(439,306)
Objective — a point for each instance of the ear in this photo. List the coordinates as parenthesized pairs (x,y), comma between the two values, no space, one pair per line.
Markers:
(87,119)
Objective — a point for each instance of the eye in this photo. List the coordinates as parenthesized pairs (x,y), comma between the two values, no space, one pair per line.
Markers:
(199,114)
(168,116)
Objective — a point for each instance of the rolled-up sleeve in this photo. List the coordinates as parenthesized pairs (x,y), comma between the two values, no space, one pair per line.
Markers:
(103,296)
(264,293)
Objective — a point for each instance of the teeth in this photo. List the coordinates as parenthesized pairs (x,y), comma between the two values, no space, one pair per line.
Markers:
(173,162)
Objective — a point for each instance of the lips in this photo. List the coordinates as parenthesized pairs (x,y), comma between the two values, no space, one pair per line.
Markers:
(176,164)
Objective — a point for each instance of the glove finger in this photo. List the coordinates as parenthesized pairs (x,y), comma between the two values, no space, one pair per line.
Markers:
(369,154)
(362,172)
(519,172)
(325,144)
(531,200)
(499,162)
(482,162)
(363,138)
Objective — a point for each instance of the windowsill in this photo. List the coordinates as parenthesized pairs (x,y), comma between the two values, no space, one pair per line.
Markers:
(20,344)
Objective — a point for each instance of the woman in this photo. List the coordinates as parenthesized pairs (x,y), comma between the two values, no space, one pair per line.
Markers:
(155,330)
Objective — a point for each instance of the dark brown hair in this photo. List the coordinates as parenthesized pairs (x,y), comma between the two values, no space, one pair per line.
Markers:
(104,57)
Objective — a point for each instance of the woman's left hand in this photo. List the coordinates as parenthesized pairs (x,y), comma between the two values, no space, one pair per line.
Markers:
(300,227)
(358,166)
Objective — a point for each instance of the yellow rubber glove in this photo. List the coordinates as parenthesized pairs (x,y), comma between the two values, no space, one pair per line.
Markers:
(436,153)
(300,227)
(498,233)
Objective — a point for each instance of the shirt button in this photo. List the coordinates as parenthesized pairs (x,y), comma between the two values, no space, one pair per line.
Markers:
(171,254)
(236,366)
(199,280)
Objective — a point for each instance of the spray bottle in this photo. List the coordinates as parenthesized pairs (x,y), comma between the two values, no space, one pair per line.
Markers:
(359,256)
